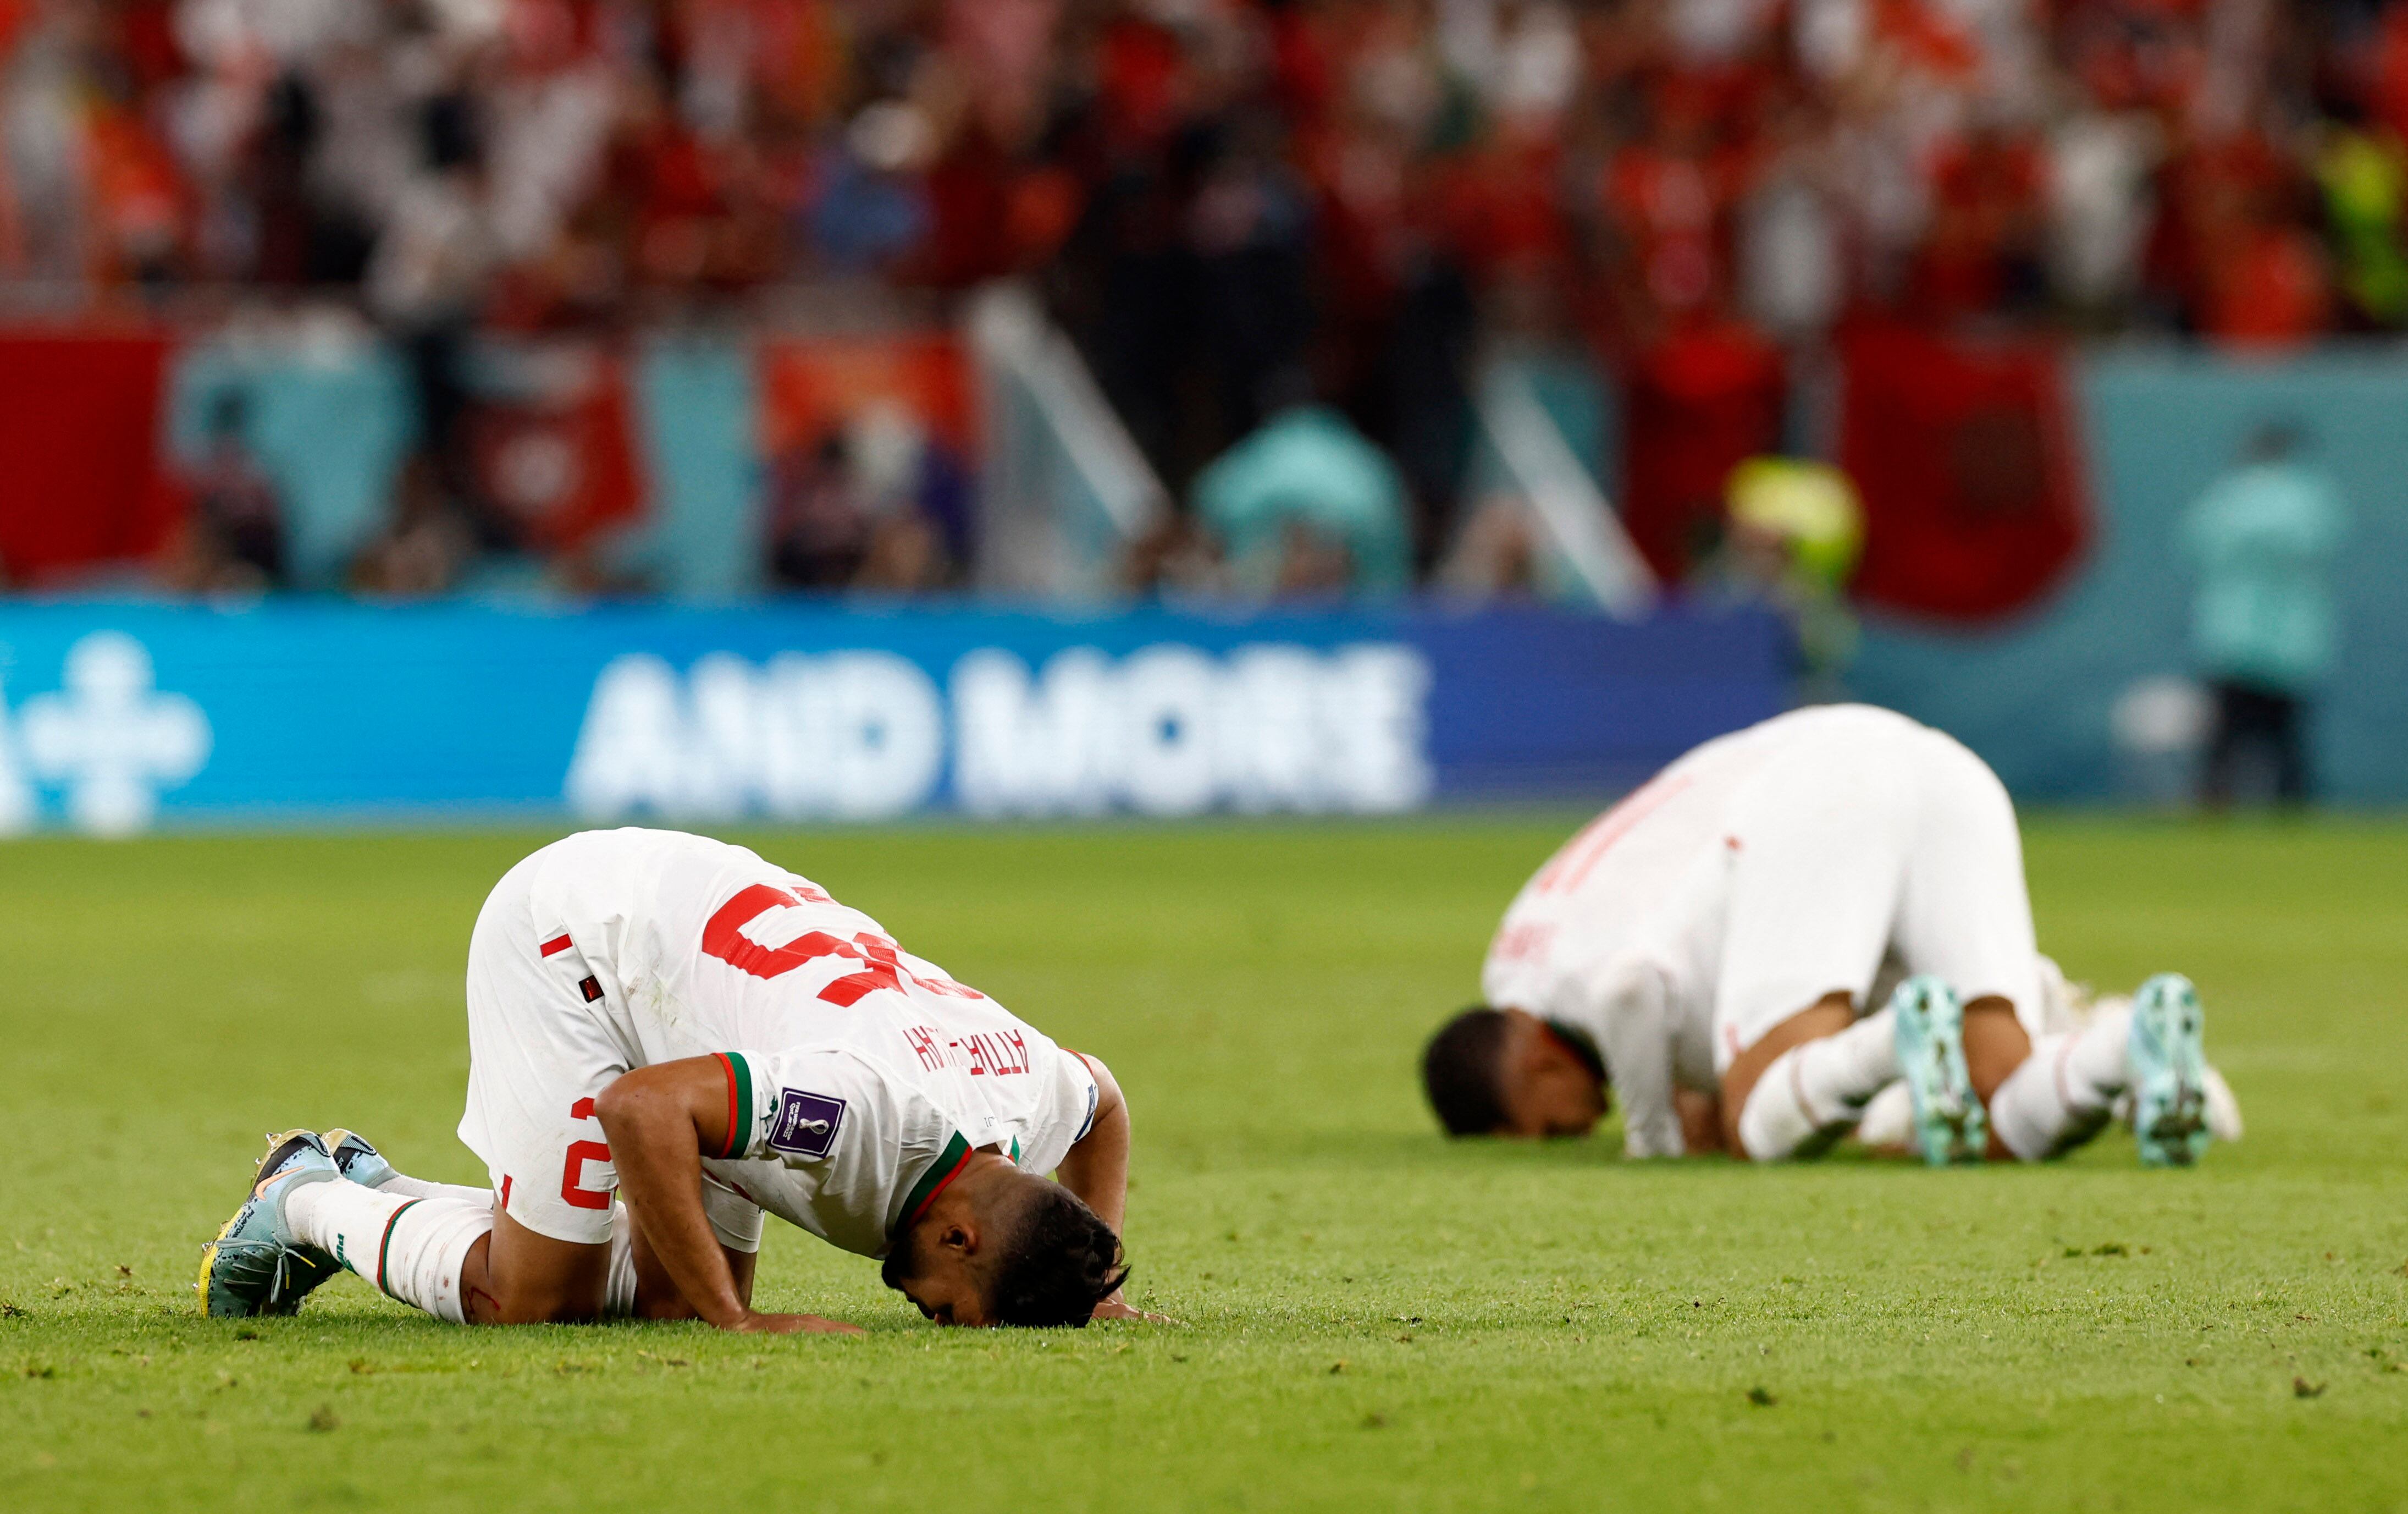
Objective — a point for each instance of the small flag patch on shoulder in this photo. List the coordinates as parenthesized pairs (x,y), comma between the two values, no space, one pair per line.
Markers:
(556,944)
(591,988)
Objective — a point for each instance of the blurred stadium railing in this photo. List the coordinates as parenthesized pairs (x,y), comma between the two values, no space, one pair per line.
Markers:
(1066,493)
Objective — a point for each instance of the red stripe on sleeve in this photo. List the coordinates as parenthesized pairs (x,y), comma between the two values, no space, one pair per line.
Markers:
(556,944)
(729,1068)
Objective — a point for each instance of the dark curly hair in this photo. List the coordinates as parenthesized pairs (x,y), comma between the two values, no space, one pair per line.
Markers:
(1058,1261)
(1463,1074)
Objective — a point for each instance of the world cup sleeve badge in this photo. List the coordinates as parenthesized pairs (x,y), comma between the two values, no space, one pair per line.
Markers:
(806,1125)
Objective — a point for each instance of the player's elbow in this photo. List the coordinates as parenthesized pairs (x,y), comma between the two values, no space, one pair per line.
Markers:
(614,1106)
(632,1103)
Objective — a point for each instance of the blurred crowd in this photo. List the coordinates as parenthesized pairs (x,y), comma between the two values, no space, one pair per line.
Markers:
(1241,209)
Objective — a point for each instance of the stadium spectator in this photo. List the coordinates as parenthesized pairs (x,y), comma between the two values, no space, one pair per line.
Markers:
(713,147)
(817,532)
(879,506)
(1306,506)
(426,549)
(2263,628)
(428,278)
(233,539)
(1792,533)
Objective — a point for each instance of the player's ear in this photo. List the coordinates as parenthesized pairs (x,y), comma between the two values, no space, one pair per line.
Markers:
(962,1237)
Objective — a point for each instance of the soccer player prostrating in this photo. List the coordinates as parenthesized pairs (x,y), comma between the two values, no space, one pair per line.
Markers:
(716,1037)
(1711,949)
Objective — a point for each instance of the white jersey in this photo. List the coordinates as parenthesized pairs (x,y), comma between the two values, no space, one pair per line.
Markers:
(1756,874)
(860,1076)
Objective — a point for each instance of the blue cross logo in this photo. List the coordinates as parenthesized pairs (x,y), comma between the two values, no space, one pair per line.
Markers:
(110,738)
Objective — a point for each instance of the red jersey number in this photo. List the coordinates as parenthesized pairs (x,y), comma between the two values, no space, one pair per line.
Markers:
(723,937)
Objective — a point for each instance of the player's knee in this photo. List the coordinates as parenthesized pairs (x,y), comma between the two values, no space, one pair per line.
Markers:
(535,1281)
(547,1303)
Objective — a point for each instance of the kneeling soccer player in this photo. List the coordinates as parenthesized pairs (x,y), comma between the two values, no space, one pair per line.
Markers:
(1710,947)
(719,1037)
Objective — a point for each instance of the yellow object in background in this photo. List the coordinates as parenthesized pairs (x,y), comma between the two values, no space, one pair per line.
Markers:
(1810,507)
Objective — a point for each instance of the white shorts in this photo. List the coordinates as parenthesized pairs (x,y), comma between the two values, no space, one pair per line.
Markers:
(541,1048)
(1877,841)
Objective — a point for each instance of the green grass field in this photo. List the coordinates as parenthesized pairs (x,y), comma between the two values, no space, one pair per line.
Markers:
(1372,1319)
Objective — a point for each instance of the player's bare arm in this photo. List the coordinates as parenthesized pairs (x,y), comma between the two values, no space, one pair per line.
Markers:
(657,1296)
(1097,1170)
(1701,1121)
(659,1121)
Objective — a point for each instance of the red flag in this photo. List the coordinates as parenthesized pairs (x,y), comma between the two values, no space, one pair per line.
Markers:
(556,450)
(811,388)
(1696,406)
(1969,460)
(80,478)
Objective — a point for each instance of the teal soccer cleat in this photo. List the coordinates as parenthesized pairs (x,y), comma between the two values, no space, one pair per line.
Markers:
(254,1266)
(2168,1072)
(356,1160)
(1950,1125)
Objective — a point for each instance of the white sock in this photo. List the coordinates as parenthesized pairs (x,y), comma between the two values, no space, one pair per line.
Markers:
(619,1293)
(420,1188)
(2064,1093)
(412,1248)
(1818,1089)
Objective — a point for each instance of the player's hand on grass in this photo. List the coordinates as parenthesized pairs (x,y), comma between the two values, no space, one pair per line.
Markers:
(792,1324)
(1117,1307)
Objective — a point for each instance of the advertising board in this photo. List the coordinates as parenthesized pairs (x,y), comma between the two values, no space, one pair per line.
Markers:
(114,718)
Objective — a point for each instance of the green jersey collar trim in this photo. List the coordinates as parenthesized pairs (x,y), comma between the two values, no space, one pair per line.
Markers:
(947,1167)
